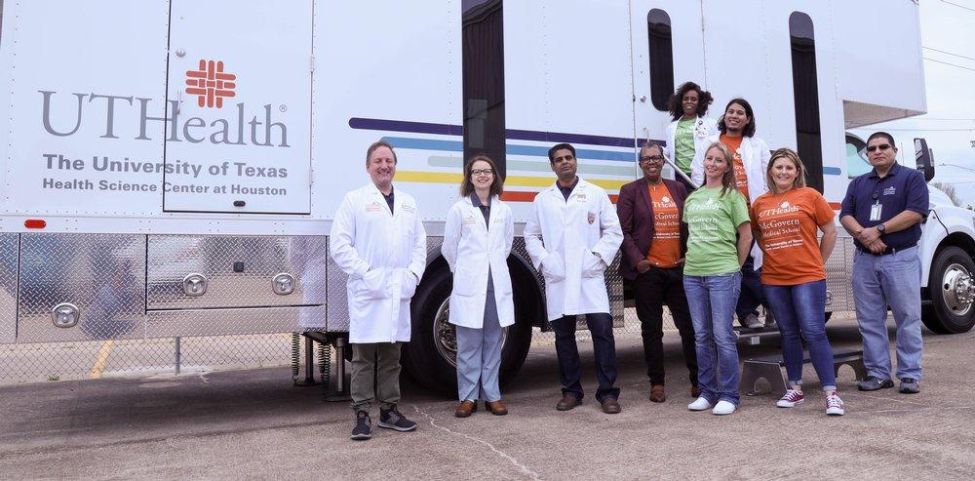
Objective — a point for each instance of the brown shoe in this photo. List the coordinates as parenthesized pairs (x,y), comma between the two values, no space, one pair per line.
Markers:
(611,406)
(695,391)
(496,408)
(465,409)
(568,402)
(657,394)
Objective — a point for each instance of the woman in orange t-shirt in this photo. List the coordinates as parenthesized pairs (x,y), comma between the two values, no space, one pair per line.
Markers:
(786,221)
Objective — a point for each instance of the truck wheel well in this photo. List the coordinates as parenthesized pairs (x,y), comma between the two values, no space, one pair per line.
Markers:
(959,239)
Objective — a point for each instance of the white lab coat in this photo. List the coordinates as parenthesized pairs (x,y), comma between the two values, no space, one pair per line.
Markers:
(572,243)
(384,255)
(471,247)
(755,157)
(704,128)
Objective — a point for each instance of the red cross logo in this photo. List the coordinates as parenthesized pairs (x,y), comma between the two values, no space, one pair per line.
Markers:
(210,83)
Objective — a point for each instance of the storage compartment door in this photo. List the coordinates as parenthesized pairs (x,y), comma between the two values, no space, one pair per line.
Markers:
(238,139)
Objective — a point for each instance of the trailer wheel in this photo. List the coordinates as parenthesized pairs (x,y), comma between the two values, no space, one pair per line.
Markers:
(431,355)
(952,291)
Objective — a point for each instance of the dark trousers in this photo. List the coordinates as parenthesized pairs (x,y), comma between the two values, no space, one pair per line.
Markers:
(604,347)
(752,294)
(650,290)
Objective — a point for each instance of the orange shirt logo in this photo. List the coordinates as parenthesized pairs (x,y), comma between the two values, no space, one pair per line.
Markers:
(665,245)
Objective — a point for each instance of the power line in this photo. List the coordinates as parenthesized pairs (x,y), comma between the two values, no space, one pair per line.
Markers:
(959,6)
(948,53)
(949,63)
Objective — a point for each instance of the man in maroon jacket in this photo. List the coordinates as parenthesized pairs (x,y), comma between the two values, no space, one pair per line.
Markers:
(654,242)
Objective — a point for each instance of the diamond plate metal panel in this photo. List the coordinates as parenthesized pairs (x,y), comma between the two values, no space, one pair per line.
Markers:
(338,298)
(838,270)
(8,287)
(172,257)
(217,322)
(102,274)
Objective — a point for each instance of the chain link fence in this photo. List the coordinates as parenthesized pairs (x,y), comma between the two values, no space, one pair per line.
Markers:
(64,361)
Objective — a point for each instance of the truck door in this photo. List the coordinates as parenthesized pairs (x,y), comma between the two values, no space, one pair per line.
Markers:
(668,50)
(239,107)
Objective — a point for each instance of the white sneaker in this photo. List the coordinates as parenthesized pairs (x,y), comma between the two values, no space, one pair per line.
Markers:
(723,408)
(834,405)
(700,404)
(791,399)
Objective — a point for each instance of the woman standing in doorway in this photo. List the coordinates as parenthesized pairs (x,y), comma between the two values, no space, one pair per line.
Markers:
(688,133)
(718,243)
(786,222)
(477,241)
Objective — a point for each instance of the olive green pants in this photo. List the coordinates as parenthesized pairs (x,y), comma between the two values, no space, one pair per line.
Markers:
(375,374)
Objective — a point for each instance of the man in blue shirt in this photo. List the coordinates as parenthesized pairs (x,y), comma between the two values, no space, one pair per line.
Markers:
(883,210)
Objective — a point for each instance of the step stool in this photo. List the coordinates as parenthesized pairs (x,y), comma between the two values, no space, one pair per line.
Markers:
(772,369)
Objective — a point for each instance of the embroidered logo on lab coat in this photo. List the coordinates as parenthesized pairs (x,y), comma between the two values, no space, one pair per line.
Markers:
(374,207)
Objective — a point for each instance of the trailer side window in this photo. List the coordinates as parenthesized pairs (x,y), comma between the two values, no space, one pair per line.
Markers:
(483,72)
(805,89)
(661,58)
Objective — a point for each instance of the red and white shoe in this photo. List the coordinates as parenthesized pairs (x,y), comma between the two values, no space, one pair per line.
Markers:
(791,399)
(834,405)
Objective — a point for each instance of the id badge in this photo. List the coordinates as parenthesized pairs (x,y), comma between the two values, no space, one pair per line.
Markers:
(875,212)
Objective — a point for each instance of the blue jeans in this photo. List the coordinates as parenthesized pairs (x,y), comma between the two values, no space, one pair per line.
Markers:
(751,295)
(800,311)
(712,301)
(603,346)
(892,280)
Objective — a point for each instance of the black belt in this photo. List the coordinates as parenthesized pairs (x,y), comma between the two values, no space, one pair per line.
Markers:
(887,251)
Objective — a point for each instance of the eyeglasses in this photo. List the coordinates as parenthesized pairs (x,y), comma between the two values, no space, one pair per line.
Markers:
(882,147)
(481,172)
(652,159)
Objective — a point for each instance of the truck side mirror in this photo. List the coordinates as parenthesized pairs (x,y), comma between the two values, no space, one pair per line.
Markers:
(924,159)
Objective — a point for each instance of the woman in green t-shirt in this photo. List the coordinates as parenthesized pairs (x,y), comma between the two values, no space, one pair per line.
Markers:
(719,240)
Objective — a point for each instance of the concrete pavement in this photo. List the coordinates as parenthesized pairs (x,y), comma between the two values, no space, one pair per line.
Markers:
(255,425)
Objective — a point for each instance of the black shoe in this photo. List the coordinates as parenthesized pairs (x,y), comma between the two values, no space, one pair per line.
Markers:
(909,385)
(392,419)
(872,383)
(363,426)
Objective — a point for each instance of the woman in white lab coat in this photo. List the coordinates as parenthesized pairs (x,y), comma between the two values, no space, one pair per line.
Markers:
(477,240)
(688,133)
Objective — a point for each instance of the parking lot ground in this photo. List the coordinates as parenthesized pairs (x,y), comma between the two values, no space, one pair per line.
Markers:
(253,425)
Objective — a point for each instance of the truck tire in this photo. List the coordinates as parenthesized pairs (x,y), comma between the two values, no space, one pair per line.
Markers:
(952,290)
(430,355)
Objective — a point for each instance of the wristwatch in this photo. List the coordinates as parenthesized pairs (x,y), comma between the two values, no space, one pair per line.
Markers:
(881,228)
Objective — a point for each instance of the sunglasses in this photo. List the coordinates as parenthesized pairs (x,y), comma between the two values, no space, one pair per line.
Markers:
(881,147)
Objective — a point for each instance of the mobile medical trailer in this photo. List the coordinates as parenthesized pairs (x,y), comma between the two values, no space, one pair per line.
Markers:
(171,167)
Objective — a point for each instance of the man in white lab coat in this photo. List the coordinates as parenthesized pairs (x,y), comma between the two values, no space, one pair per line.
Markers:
(572,236)
(378,239)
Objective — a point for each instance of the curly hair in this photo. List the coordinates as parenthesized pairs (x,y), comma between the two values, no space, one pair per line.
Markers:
(676,102)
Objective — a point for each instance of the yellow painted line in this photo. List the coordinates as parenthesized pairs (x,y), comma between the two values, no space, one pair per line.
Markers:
(101,361)
(510,181)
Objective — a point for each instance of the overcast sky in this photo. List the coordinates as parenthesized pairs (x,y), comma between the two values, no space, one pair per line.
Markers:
(948,39)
